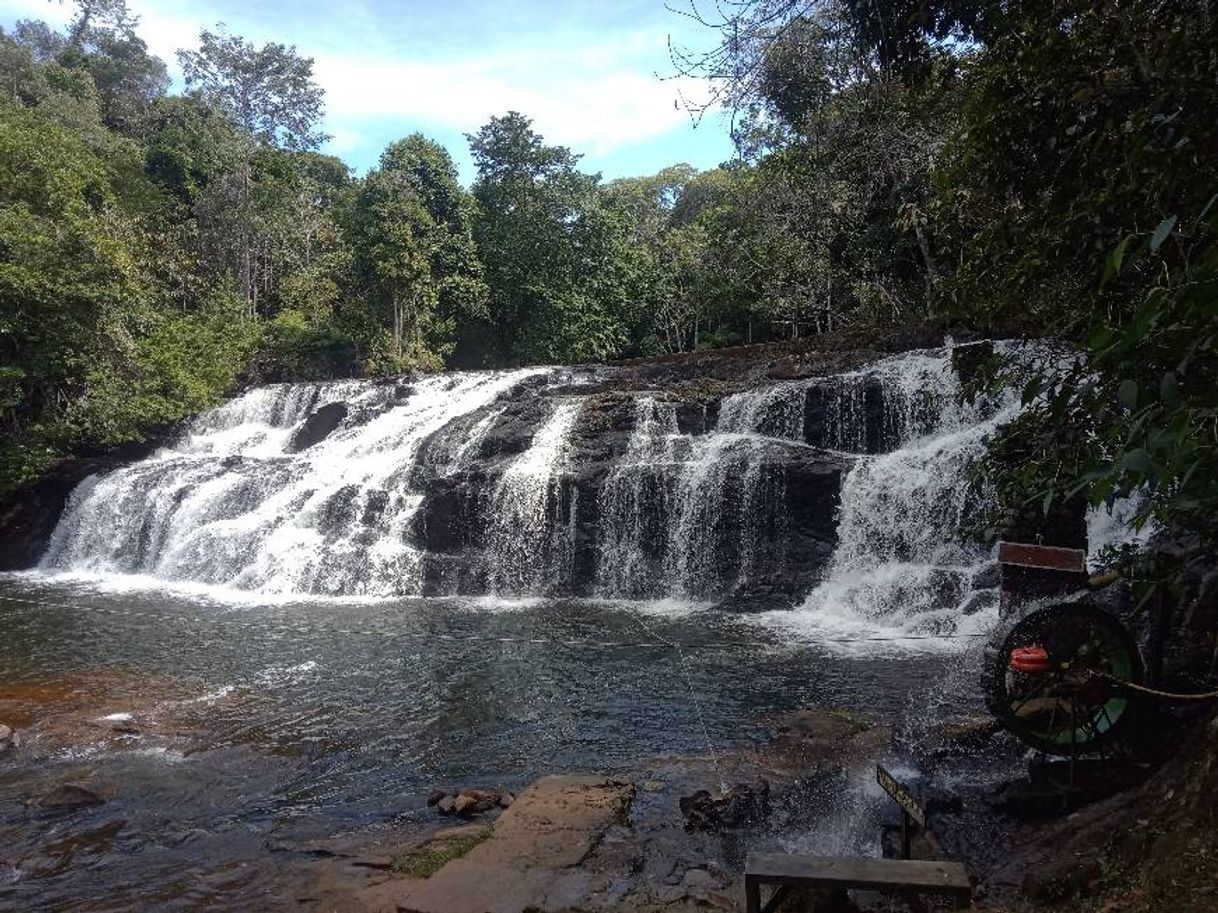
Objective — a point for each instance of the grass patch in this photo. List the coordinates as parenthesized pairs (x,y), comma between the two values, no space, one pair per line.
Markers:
(859,723)
(428,858)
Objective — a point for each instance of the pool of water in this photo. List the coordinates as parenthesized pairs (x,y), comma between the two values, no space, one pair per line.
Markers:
(300,719)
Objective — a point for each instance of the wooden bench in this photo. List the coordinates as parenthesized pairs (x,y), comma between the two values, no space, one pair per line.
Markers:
(838,874)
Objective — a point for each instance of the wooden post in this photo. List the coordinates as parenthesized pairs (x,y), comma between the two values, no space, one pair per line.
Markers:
(752,894)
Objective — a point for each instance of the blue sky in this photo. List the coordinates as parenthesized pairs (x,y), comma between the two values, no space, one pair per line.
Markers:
(585,71)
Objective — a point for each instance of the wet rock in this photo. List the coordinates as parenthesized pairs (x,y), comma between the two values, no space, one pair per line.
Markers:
(484,800)
(968,732)
(988,578)
(506,799)
(8,739)
(446,805)
(531,859)
(68,797)
(434,797)
(318,426)
(979,602)
(828,737)
(475,801)
(742,805)
(968,358)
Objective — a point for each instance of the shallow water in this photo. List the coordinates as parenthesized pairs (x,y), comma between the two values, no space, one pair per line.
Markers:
(316,717)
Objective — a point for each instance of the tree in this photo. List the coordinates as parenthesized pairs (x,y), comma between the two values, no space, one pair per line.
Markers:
(270,95)
(102,39)
(414,247)
(269,91)
(556,256)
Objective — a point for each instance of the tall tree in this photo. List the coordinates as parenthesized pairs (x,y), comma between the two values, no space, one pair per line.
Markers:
(557,259)
(269,93)
(414,246)
(102,40)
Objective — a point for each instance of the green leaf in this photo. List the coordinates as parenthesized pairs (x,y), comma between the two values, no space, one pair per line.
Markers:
(1161,232)
(1169,389)
(1128,393)
(1112,265)
(1135,460)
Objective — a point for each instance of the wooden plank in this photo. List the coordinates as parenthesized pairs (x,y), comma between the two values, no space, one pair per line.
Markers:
(903,797)
(870,874)
(1042,557)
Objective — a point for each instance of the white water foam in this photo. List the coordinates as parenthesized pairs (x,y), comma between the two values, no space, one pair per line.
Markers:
(903,566)
(232,506)
(530,545)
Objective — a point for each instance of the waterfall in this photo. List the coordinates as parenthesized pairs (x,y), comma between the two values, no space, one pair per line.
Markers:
(635,503)
(681,515)
(904,562)
(530,546)
(231,504)
(843,494)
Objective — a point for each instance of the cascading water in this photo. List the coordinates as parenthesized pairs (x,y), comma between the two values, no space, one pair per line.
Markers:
(903,563)
(231,504)
(635,503)
(530,547)
(844,491)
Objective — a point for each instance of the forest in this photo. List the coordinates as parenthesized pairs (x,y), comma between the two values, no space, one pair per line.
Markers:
(1044,169)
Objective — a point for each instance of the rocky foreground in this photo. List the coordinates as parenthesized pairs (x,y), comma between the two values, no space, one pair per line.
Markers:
(669,834)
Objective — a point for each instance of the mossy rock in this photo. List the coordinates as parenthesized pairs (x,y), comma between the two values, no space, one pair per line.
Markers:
(426,859)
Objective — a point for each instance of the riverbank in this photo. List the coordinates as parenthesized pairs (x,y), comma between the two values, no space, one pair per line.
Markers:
(668,832)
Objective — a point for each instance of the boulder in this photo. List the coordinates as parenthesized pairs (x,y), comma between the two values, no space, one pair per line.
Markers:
(434,797)
(968,358)
(446,805)
(988,578)
(465,805)
(979,602)
(742,805)
(318,426)
(482,799)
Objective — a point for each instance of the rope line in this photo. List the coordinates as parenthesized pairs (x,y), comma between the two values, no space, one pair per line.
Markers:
(658,643)
(682,668)
(1154,692)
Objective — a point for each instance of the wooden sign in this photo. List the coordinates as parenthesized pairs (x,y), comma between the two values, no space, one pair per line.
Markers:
(908,803)
(1042,557)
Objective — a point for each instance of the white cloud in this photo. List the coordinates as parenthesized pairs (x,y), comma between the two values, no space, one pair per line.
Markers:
(594,103)
(593,98)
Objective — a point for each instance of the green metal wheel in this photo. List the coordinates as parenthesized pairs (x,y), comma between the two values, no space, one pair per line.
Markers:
(1052,678)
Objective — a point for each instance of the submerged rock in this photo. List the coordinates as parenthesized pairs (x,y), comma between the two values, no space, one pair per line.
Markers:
(68,797)
(742,805)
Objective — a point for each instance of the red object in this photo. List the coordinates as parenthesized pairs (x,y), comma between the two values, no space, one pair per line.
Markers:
(1043,557)
(1030,659)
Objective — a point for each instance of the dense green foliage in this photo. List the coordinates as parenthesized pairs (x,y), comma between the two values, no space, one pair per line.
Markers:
(1045,168)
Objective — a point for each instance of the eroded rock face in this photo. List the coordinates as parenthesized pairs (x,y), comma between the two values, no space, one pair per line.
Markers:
(706,476)
(318,426)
